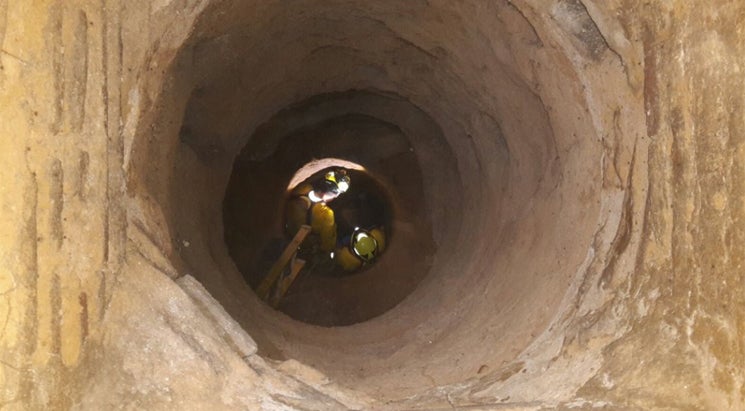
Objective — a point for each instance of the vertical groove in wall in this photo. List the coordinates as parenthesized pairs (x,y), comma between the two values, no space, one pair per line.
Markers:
(115,232)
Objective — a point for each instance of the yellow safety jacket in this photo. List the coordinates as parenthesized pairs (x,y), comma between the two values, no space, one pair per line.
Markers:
(347,259)
(320,217)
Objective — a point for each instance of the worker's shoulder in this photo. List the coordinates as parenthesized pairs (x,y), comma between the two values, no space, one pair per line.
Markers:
(302,189)
(322,210)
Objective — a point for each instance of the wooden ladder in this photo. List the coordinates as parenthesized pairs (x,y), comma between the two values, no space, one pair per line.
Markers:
(289,254)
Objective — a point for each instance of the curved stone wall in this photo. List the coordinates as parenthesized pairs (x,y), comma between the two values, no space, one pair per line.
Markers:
(579,188)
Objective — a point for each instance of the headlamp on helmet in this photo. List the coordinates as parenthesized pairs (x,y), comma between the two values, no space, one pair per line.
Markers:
(340,179)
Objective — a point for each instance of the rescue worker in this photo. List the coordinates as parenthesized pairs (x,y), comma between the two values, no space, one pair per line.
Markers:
(360,248)
(308,205)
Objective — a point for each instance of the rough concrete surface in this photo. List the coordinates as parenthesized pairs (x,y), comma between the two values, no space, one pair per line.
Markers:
(582,168)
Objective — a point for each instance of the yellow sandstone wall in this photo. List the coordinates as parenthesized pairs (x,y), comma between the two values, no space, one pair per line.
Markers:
(95,313)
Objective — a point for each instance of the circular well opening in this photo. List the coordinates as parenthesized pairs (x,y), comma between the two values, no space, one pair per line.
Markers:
(385,193)
(482,108)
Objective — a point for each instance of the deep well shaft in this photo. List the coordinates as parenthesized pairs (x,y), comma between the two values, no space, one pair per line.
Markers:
(567,179)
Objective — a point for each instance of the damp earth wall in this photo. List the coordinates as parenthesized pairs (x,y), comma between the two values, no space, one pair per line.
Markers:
(579,170)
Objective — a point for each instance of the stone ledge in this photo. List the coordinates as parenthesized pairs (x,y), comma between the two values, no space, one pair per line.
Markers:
(234,335)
